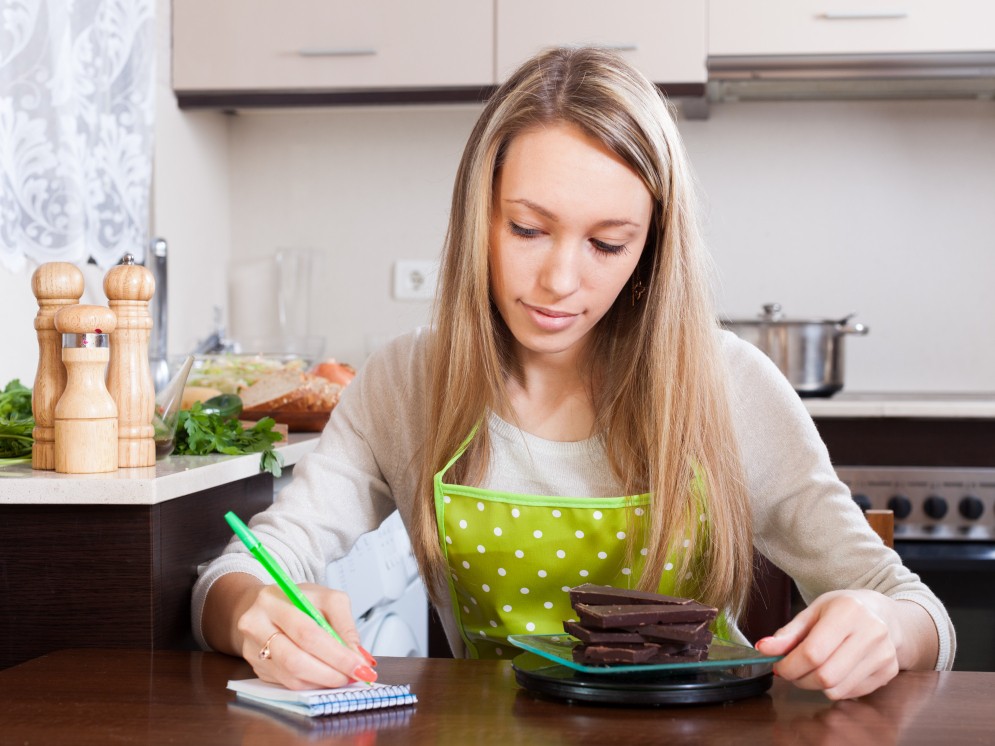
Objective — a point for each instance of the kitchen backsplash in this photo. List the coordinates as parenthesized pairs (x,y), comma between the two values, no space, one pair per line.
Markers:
(879,208)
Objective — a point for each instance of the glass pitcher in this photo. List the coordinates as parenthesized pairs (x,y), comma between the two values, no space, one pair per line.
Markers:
(167,410)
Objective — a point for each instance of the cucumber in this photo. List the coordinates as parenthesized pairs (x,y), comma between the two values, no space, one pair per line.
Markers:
(228,406)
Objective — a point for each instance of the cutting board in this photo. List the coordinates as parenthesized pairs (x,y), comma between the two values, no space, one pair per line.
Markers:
(279,427)
(297,422)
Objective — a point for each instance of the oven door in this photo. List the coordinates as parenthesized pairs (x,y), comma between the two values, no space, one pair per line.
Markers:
(962,575)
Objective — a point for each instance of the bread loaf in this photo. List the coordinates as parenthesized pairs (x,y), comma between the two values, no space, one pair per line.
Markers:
(291,391)
(274,391)
(320,395)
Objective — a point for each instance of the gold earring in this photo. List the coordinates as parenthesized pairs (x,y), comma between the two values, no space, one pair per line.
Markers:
(638,290)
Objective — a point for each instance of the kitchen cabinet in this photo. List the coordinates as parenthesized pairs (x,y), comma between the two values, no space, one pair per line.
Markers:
(109,560)
(332,52)
(665,39)
(814,27)
(333,47)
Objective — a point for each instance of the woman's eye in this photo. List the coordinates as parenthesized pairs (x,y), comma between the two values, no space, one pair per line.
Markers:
(522,231)
(603,246)
(609,248)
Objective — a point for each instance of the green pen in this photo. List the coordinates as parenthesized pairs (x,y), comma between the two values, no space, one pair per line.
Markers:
(268,561)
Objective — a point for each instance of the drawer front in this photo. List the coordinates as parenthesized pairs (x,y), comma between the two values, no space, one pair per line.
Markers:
(663,38)
(770,27)
(315,45)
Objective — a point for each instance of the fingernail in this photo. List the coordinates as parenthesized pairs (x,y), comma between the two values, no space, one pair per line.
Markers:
(762,640)
(366,654)
(364,673)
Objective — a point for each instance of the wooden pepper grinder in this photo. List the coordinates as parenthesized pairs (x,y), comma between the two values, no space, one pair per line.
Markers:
(86,416)
(129,287)
(55,285)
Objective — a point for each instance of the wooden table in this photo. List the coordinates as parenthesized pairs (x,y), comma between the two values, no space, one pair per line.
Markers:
(131,696)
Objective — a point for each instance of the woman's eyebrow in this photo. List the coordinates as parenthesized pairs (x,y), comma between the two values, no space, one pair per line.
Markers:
(535,208)
(608,223)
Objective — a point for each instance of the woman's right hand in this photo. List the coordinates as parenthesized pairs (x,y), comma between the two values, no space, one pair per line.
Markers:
(299,653)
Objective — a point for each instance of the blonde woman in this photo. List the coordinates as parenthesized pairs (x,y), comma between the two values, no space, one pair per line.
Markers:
(575,415)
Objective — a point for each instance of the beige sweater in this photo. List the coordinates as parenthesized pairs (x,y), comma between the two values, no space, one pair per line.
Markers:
(366,465)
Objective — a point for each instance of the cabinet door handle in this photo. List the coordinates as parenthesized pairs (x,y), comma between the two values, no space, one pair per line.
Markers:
(863,15)
(620,47)
(336,51)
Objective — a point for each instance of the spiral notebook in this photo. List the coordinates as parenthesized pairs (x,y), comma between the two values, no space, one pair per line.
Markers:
(318,702)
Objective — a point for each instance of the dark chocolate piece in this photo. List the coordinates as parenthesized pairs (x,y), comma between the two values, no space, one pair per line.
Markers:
(614,653)
(638,615)
(688,633)
(692,655)
(588,593)
(601,637)
(628,654)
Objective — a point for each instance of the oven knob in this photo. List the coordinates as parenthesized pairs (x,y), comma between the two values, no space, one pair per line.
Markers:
(971,507)
(863,501)
(900,505)
(935,507)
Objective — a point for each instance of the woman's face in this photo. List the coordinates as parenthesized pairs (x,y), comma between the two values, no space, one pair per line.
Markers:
(569,224)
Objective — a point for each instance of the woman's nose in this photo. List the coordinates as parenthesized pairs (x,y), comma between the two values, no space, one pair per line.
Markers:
(560,273)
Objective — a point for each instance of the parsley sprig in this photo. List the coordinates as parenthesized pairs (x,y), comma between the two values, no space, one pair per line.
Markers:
(199,433)
(16,421)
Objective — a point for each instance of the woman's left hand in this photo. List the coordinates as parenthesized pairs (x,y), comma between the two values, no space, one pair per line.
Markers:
(849,643)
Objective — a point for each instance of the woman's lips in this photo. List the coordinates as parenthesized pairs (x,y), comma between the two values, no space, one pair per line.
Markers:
(548,319)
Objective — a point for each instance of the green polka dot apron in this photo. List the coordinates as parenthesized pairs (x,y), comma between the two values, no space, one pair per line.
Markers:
(513,557)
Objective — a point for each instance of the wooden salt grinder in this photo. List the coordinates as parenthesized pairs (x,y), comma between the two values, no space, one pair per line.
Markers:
(129,287)
(55,285)
(86,416)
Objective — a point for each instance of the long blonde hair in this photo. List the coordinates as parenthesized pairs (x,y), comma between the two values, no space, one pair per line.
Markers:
(661,405)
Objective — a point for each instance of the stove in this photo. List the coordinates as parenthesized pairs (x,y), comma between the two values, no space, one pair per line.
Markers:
(930,459)
(930,504)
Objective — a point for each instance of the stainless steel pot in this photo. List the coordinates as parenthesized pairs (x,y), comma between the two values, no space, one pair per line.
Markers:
(808,351)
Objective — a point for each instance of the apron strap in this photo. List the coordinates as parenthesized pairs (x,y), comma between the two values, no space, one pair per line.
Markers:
(454,459)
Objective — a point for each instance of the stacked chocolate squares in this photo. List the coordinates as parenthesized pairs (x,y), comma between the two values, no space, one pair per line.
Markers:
(624,626)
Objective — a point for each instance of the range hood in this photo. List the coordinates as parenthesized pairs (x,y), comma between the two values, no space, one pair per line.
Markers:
(852,76)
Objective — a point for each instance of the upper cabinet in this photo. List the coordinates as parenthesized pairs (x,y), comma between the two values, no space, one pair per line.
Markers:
(814,27)
(311,47)
(665,39)
(271,53)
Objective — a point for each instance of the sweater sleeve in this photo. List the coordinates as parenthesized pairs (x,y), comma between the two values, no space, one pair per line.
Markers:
(805,520)
(346,486)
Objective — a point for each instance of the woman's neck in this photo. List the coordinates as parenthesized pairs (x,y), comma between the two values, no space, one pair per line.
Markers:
(553,399)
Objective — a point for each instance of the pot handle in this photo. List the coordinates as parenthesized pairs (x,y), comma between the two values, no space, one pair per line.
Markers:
(843,326)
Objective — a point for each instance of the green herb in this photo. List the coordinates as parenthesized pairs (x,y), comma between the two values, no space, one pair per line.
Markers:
(16,421)
(200,433)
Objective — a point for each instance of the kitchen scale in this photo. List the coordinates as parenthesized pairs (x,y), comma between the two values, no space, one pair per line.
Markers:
(731,672)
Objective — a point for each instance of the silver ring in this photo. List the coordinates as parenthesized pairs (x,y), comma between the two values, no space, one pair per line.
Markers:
(265,653)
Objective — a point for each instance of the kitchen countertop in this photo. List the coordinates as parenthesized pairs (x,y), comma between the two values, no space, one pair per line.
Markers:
(980,405)
(182,475)
(170,478)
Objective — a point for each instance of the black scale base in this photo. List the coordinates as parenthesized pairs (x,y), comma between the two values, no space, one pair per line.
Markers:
(699,687)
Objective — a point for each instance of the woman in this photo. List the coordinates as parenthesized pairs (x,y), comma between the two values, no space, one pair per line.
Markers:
(574,415)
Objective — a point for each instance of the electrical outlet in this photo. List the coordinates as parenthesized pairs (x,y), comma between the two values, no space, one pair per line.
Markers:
(414,279)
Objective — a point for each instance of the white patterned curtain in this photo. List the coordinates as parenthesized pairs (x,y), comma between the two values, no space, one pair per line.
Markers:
(77,91)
